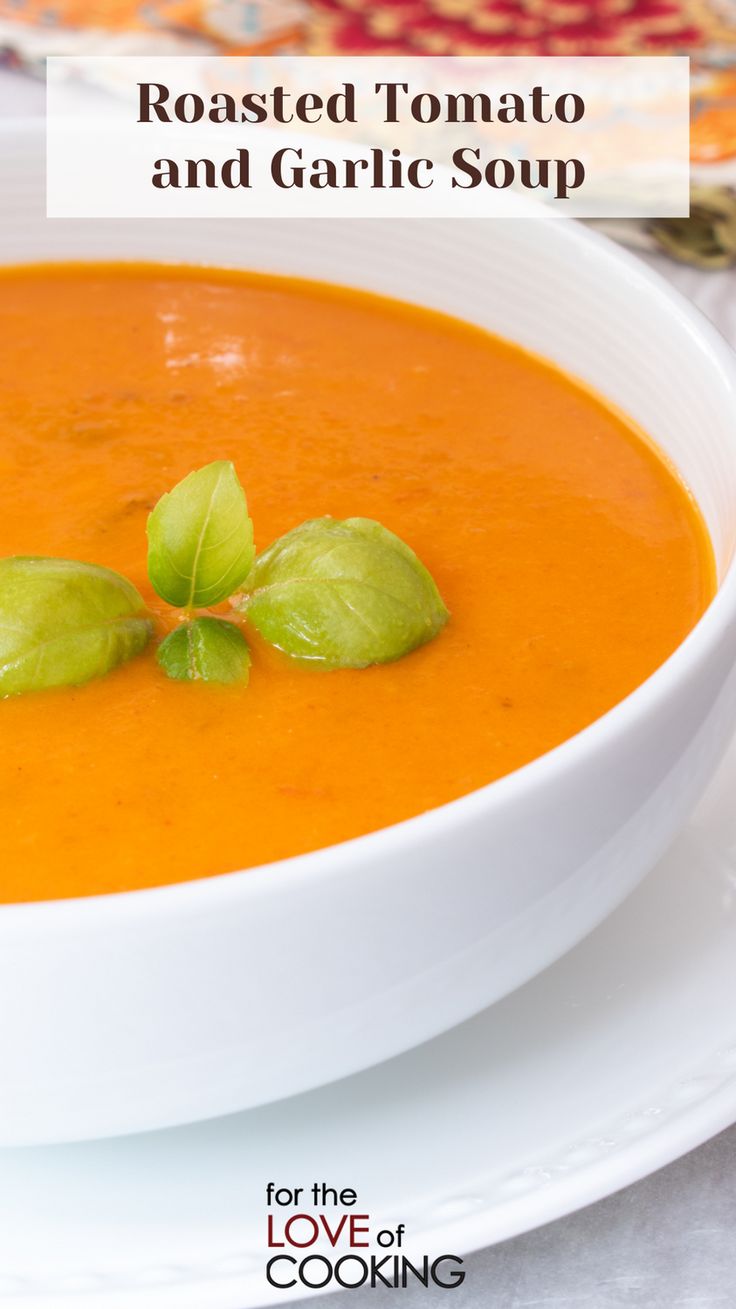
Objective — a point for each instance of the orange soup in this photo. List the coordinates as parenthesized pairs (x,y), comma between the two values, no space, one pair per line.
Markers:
(571,558)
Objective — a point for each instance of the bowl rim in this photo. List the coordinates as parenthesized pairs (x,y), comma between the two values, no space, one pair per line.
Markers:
(325,863)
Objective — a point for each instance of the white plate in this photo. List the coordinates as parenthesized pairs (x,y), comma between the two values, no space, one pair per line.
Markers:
(613,1062)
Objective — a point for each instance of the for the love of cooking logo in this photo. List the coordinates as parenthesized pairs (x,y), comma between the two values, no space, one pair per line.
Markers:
(316,1238)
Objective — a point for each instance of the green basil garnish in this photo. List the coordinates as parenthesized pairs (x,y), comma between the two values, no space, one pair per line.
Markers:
(200,539)
(342,594)
(206,650)
(63,622)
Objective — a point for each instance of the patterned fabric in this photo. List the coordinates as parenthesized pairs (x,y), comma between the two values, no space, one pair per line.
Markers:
(705,29)
(416,26)
(105,26)
(520,27)
(713,122)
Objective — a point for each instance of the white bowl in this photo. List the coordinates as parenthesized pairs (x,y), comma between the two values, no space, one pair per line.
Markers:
(134,1011)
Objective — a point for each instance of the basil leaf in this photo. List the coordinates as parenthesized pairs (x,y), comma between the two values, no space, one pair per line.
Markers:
(63,622)
(343,594)
(206,650)
(200,538)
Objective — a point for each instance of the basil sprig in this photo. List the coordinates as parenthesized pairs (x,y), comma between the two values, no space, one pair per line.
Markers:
(63,623)
(343,594)
(200,539)
(206,650)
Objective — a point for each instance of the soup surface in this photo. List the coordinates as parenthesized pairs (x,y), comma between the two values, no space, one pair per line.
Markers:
(571,558)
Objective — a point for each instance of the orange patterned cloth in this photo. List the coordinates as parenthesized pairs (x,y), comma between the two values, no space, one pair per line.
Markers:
(215,26)
(713,121)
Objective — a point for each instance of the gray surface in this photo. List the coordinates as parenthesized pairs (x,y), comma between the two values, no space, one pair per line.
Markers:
(669,1242)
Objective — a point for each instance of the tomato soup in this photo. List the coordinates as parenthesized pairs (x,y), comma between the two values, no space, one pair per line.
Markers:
(571,558)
